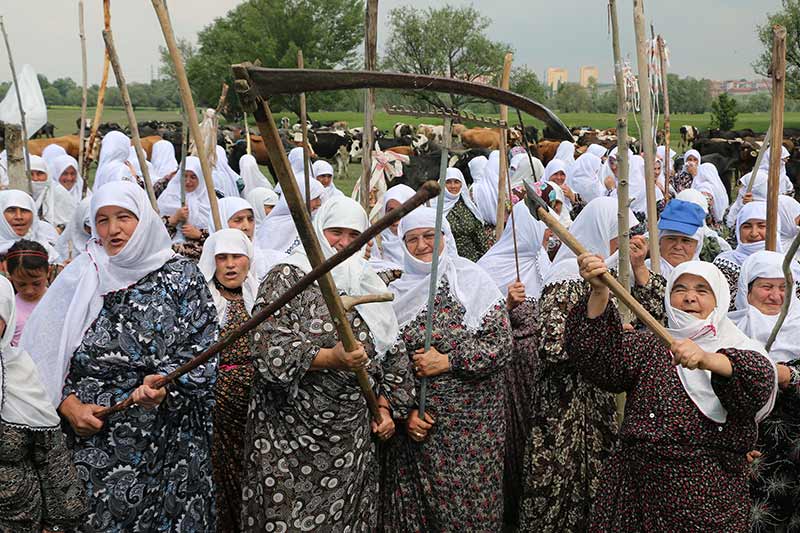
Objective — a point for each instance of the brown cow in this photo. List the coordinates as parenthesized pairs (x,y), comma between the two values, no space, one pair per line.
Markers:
(403,150)
(70,143)
(547,150)
(148,142)
(485,138)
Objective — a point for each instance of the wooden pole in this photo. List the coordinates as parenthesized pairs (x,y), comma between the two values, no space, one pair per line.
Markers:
(21,109)
(761,151)
(428,190)
(370,63)
(188,105)
(122,85)
(17,178)
(502,175)
(85,85)
(648,146)
(247,133)
(304,133)
(778,86)
(101,98)
(302,221)
(662,56)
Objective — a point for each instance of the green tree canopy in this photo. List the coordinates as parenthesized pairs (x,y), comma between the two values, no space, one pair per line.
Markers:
(524,81)
(723,112)
(789,17)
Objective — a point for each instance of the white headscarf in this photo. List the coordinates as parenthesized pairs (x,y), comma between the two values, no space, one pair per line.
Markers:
(72,241)
(114,151)
(637,189)
(754,323)
(251,174)
(354,277)
(56,327)
(278,232)
(788,211)
(716,332)
(499,261)
(785,182)
(58,165)
(606,171)
(565,153)
(691,152)
(224,177)
(23,400)
(390,256)
(51,152)
(594,227)
(750,211)
(708,174)
(258,198)
(477,168)
(521,170)
(40,231)
(597,150)
(450,200)
(468,283)
(485,190)
(660,151)
(133,159)
(163,159)
(584,177)
(196,201)
(228,241)
(227,208)
(321,168)
(42,191)
(296,161)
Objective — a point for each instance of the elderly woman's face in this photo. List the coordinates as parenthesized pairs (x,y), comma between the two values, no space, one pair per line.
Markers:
(115,226)
(677,249)
(753,230)
(693,294)
(243,220)
(339,238)
(231,270)
(767,294)
(420,242)
(453,186)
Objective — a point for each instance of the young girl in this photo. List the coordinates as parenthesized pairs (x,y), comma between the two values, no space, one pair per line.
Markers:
(27,268)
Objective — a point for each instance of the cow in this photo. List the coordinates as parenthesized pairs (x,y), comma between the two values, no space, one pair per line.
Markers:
(461,162)
(339,125)
(547,150)
(148,142)
(70,143)
(688,135)
(481,138)
(401,130)
(435,133)
(258,150)
(420,169)
(456,131)
(45,131)
(333,145)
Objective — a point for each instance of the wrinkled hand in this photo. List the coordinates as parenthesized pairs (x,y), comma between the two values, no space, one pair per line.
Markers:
(418,428)
(747,198)
(386,428)
(368,250)
(568,192)
(516,295)
(350,360)
(430,363)
(686,353)
(784,376)
(638,251)
(146,395)
(81,416)
(191,232)
(753,455)
(592,266)
(610,182)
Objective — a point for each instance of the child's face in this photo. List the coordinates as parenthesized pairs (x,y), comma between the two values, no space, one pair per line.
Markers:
(29,284)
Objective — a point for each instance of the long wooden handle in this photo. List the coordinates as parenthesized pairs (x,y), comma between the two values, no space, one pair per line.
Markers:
(764,145)
(349,302)
(428,190)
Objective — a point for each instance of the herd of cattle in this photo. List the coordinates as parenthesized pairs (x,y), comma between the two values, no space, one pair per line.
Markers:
(732,152)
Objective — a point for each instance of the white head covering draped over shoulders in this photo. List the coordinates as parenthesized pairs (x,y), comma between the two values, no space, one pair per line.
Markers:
(390,254)
(450,200)
(225,179)
(584,177)
(714,333)
(72,241)
(750,211)
(707,173)
(468,283)
(353,276)
(56,327)
(163,159)
(228,241)
(278,232)
(196,201)
(258,198)
(251,174)
(39,231)
(51,152)
(114,151)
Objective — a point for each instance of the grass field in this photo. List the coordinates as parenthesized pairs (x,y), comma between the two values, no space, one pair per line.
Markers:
(64,119)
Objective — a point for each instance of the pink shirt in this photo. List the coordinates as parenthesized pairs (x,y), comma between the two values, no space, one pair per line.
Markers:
(24,310)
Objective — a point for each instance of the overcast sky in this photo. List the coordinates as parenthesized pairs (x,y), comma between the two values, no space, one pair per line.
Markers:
(707,38)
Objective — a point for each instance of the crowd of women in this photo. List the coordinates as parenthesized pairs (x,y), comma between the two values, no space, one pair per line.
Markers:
(523,355)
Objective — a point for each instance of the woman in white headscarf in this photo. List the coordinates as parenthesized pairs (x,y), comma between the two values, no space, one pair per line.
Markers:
(556,173)
(751,232)
(296,160)
(65,172)
(573,422)
(520,170)
(51,152)
(428,481)
(323,172)
(133,161)
(251,175)
(521,301)
(463,216)
(115,149)
(691,170)
(304,391)
(187,222)
(609,172)
(637,190)
(226,180)
(72,241)
(692,409)
(263,201)
(597,150)
(708,175)
(20,221)
(762,291)
(565,153)
(226,266)
(132,296)
(584,177)
(788,220)
(62,193)
(278,231)
(477,169)
(786,186)
(713,244)
(386,255)
(41,190)
(163,160)
(39,486)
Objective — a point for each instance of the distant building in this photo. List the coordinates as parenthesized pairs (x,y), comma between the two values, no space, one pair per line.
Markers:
(555,77)
(588,72)
(739,87)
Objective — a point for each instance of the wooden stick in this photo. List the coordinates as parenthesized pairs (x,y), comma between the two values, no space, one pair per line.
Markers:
(539,210)
(188,105)
(184,154)
(126,101)
(223,93)
(648,146)
(502,176)
(302,221)
(662,56)
(778,85)
(85,85)
(21,109)
(247,133)
(370,63)
(761,151)
(101,98)
(428,190)
(16,160)
(349,302)
(304,133)
(623,201)
(788,260)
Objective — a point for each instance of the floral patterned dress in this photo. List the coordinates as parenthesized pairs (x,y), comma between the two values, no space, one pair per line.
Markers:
(775,476)
(453,480)
(574,423)
(39,488)
(674,470)
(232,394)
(682,180)
(148,470)
(731,271)
(471,241)
(309,459)
(191,248)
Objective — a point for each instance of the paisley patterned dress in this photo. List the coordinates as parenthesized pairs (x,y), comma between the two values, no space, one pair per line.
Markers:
(310,459)
(471,241)
(453,480)
(148,470)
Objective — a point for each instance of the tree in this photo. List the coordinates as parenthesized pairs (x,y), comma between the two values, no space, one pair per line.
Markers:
(723,112)
(789,17)
(448,42)
(166,69)
(688,95)
(328,32)
(606,102)
(524,81)
(572,98)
